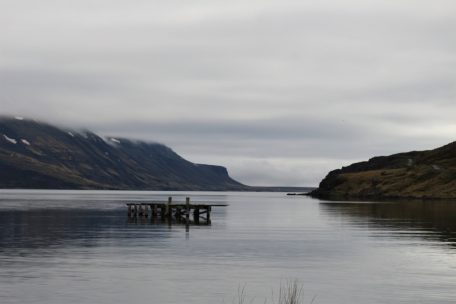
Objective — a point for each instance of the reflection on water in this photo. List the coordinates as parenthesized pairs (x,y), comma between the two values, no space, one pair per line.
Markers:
(433,220)
(52,228)
(80,247)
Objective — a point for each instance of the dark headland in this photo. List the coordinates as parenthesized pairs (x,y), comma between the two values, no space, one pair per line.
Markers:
(37,155)
(417,174)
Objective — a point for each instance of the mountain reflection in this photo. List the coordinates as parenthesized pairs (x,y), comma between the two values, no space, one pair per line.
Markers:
(431,220)
(44,228)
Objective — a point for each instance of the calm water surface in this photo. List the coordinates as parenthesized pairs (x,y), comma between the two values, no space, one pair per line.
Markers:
(78,247)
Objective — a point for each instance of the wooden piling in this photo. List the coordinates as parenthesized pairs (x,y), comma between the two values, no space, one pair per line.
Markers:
(154,210)
(146,210)
(208,215)
(163,212)
(178,214)
(187,210)
(196,215)
(169,213)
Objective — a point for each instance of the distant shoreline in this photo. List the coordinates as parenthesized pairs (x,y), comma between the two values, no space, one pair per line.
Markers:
(253,189)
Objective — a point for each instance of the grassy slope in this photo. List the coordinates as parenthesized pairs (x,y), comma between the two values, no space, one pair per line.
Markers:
(426,174)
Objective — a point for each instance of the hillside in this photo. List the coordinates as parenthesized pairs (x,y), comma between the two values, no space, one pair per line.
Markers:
(425,174)
(41,156)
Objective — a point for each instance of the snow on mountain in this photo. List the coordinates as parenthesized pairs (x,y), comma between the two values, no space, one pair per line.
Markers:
(11,140)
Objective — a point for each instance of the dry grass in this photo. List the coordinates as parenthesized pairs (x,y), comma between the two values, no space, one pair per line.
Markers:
(290,292)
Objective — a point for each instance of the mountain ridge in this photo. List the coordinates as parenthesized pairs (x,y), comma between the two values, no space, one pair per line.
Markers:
(39,155)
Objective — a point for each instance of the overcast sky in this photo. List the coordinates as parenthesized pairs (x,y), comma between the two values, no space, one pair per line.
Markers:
(278,91)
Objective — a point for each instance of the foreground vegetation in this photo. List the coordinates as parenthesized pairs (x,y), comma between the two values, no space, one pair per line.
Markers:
(290,292)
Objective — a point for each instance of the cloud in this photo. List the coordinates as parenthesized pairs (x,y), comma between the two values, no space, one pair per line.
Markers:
(278,91)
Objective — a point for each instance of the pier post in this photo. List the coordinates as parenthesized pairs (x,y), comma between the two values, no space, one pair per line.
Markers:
(153,213)
(146,210)
(136,211)
(169,212)
(187,210)
(162,211)
(196,215)
(178,214)
(208,215)
(129,210)
(154,210)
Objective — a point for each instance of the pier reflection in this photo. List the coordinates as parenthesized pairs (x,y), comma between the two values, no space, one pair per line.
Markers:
(56,228)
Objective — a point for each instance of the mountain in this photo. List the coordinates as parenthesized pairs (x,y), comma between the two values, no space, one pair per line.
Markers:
(41,156)
(424,174)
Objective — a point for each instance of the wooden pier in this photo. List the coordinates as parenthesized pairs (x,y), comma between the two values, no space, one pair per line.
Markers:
(198,214)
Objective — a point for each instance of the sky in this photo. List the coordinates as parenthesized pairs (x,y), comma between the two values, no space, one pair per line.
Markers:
(278,91)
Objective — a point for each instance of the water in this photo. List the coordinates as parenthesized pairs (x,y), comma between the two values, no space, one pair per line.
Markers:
(78,247)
